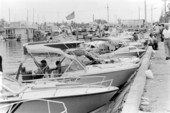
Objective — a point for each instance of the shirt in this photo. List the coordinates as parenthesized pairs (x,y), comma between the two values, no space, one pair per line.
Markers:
(166,33)
(157,29)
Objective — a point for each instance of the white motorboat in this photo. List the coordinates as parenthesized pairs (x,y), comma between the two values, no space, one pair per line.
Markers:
(76,98)
(55,44)
(127,51)
(72,67)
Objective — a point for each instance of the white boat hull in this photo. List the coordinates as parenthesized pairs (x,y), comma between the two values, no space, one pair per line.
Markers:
(82,103)
(119,77)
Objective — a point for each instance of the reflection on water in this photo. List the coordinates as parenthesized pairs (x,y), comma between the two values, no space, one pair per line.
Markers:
(12,53)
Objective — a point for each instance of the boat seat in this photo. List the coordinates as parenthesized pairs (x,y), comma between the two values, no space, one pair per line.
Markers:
(56,73)
(31,76)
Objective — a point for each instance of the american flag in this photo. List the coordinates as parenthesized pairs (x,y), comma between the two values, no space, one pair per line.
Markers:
(71,16)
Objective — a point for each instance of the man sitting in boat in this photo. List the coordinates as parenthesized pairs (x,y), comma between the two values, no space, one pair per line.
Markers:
(57,70)
(43,68)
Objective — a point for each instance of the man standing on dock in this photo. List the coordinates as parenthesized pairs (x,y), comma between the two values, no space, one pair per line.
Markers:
(166,33)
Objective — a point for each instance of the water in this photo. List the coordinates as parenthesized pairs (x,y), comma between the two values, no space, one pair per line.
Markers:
(12,53)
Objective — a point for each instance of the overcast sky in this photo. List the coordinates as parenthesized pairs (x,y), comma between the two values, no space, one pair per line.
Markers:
(57,10)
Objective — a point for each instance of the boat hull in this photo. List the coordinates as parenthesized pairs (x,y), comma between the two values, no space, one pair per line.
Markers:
(119,77)
(61,45)
(130,54)
(74,104)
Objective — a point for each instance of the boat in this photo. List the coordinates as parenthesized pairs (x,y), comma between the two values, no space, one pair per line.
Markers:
(104,45)
(55,44)
(76,98)
(127,51)
(114,47)
(72,67)
(130,51)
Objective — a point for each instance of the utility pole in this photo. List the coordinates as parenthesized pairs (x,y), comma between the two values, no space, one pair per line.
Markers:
(57,17)
(33,16)
(9,15)
(145,11)
(108,13)
(27,17)
(14,18)
(165,9)
(38,18)
(93,17)
(151,15)
(139,13)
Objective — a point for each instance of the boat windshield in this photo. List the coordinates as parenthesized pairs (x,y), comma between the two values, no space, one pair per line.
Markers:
(49,66)
(40,106)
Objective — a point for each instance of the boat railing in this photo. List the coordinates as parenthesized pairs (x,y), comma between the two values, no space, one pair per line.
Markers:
(73,79)
(101,84)
(90,85)
(15,105)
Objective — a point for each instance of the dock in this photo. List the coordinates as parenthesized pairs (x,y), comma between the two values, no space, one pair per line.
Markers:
(156,91)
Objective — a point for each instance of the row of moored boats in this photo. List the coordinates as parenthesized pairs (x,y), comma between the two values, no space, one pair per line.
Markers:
(73,76)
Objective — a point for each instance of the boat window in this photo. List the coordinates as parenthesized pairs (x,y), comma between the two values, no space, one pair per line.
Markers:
(30,69)
(75,66)
(38,106)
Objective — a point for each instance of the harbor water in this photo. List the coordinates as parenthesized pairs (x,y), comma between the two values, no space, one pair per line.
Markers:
(12,54)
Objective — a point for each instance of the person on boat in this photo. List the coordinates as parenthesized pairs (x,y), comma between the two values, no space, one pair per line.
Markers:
(57,70)
(1,69)
(43,68)
(135,36)
(50,39)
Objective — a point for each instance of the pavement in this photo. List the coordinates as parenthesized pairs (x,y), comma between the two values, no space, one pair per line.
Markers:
(157,90)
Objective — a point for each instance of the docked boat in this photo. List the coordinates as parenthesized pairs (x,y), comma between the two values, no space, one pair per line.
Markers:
(72,67)
(76,98)
(104,45)
(114,47)
(55,44)
(127,51)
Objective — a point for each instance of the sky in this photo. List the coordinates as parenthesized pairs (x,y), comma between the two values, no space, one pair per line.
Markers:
(57,10)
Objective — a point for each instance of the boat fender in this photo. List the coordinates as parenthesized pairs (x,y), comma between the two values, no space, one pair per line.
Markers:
(149,74)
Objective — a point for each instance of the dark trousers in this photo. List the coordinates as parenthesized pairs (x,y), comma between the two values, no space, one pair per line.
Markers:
(155,46)
(162,39)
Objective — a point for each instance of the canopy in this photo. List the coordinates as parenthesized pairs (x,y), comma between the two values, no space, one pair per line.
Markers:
(128,49)
(112,40)
(41,49)
(97,44)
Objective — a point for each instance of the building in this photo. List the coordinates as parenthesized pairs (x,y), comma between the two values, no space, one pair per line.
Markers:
(23,32)
(133,23)
(21,29)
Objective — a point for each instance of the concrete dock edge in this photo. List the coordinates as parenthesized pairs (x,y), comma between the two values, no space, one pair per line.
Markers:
(133,99)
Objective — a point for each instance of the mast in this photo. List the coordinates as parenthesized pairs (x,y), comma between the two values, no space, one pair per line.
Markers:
(165,9)
(108,13)
(27,17)
(9,15)
(139,13)
(93,17)
(33,16)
